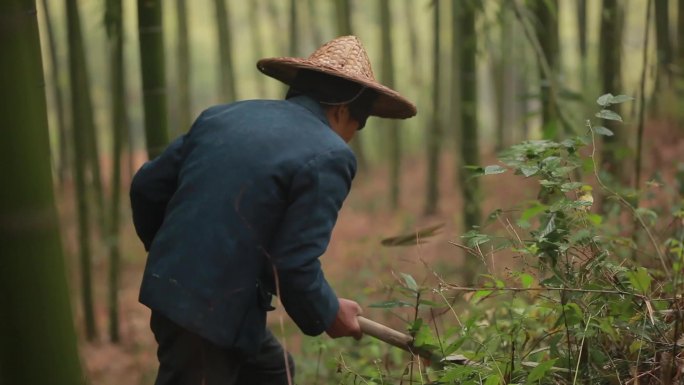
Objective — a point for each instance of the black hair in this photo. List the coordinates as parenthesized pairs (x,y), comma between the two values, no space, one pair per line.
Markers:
(331,90)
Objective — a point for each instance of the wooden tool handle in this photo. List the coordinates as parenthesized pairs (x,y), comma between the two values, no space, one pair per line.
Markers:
(385,334)
(405,342)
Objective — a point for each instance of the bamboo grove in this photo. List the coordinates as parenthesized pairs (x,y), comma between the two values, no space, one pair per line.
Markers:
(122,77)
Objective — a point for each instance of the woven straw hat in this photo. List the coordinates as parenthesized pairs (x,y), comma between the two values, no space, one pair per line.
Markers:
(346,58)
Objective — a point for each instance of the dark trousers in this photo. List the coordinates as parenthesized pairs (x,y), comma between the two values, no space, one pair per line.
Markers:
(188,359)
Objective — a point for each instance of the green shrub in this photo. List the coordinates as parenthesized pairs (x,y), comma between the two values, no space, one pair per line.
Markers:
(594,298)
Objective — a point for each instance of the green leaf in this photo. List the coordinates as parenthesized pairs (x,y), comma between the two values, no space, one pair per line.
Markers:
(635,346)
(494,379)
(608,99)
(609,115)
(607,327)
(390,304)
(474,238)
(409,281)
(600,130)
(539,371)
(620,99)
(533,211)
(529,170)
(481,294)
(424,337)
(596,219)
(562,171)
(526,280)
(571,186)
(640,280)
(573,313)
(647,214)
(494,169)
(496,282)
(456,372)
(604,100)
(429,303)
(455,345)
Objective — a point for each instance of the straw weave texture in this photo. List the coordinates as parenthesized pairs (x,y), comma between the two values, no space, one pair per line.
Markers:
(344,57)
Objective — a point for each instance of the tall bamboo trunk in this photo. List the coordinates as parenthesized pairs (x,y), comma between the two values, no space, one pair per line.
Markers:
(63,163)
(153,75)
(582,39)
(680,36)
(81,113)
(455,83)
(503,74)
(680,56)
(294,29)
(642,104)
(470,154)
(610,52)
(344,27)
(546,27)
(225,48)
(36,328)
(393,134)
(314,20)
(411,25)
(435,133)
(183,59)
(663,43)
(256,25)
(119,127)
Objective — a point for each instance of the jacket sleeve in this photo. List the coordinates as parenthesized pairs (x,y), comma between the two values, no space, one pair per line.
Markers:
(152,188)
(315,198)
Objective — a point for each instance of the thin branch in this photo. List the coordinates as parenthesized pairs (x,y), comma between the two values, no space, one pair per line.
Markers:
(642,99)
(579,356)
(545,67)
(622,200)
(550,288)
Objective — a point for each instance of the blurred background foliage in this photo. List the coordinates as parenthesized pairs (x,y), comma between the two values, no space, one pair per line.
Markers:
(123,77)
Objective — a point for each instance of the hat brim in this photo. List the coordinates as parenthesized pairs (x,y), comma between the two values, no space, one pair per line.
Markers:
(389,104)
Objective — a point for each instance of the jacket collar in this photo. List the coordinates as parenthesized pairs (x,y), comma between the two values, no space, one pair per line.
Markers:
(311,105)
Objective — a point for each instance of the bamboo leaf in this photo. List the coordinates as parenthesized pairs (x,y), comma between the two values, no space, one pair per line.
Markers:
(409,281)
(640,280)
(539,371)
(494,379)
(429,303)
(481,294)
(635,346)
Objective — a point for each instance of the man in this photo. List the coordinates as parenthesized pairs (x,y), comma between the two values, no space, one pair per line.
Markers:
(242,206)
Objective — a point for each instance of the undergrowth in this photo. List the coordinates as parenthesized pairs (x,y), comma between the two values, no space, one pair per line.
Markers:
(594,298)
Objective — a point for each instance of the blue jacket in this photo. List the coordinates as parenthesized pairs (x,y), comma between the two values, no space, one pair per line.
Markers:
(253,188)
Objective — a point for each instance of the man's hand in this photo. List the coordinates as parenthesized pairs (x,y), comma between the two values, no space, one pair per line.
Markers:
(346,324)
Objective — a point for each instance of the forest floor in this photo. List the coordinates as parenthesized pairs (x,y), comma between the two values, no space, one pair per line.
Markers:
(356,264)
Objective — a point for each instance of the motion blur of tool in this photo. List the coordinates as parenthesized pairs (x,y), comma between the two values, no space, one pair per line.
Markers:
(415,238)
(405,342)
